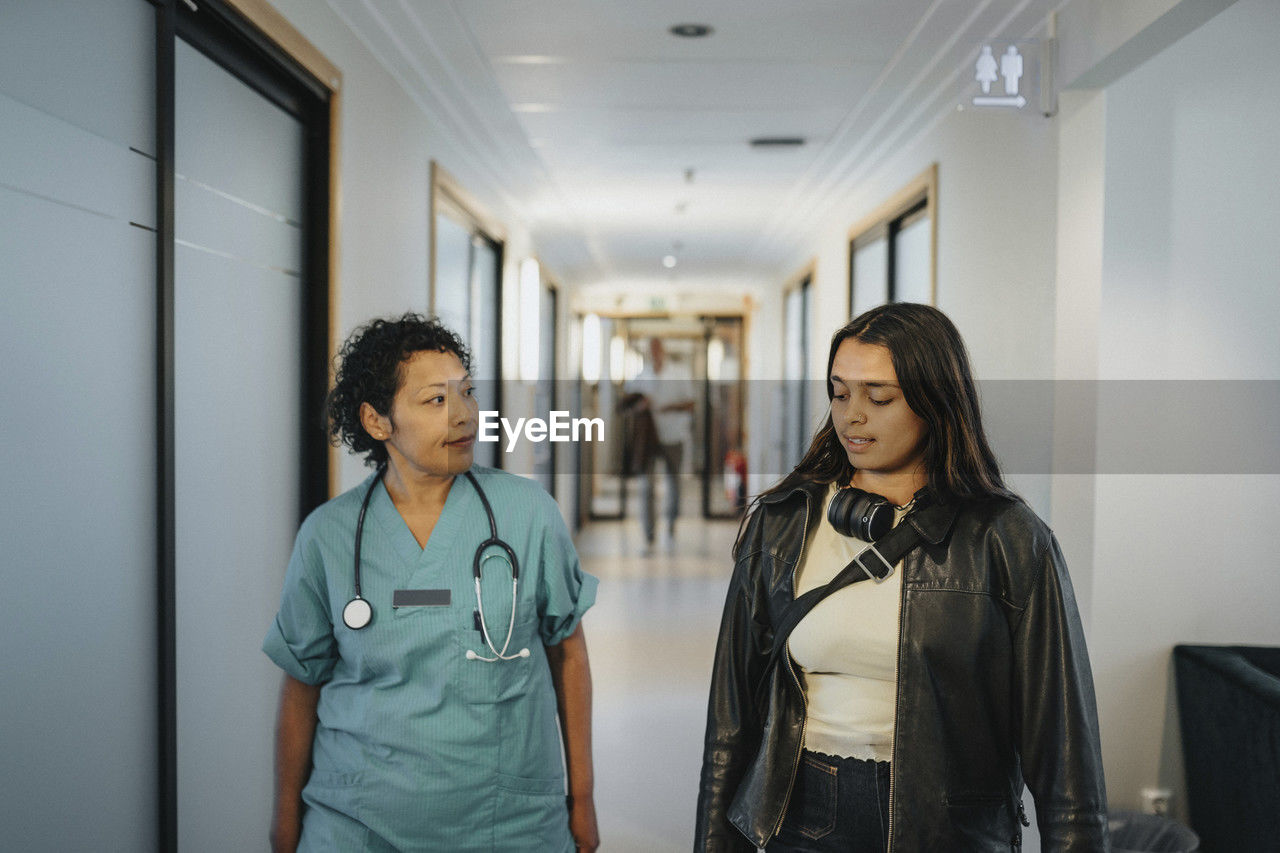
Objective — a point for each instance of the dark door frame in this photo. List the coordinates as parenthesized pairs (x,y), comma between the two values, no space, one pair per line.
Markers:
(708,443)
(222,33)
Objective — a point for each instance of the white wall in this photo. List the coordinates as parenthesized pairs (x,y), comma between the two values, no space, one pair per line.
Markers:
(1189,290)
(1081,195)
(1127,237)
(997,196)
(386,148)
(997,220)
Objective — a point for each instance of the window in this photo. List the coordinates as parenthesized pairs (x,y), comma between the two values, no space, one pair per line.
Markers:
(795,371)
(892,253)
(544,468)
(466,288)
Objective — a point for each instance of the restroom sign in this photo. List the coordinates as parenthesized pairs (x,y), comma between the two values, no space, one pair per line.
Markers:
(1007,74)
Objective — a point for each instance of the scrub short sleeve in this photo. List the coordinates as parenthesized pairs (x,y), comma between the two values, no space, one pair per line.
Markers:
(301,640)
(565,591)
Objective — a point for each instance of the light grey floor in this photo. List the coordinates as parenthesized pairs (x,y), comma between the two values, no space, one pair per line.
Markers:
(651,637)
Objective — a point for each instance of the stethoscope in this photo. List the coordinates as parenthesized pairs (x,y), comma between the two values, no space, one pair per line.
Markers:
(358,613)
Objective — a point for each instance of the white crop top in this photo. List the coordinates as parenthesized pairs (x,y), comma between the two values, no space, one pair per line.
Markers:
(847,650)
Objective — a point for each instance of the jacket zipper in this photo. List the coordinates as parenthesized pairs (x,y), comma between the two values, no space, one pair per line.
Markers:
(1019,822)
(804,722)
(897,693)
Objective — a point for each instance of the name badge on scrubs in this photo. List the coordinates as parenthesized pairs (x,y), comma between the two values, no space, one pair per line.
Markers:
(421,598)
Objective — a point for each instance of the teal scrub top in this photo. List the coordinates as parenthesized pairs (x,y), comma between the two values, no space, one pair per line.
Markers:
(416,747)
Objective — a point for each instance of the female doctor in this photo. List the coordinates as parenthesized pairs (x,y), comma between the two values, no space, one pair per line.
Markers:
(429,631)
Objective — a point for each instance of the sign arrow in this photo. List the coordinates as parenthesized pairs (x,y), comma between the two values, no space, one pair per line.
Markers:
(983,101)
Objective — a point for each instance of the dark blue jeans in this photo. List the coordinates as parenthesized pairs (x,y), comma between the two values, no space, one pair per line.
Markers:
(837,804)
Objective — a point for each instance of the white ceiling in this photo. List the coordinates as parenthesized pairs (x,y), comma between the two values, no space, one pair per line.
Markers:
(586,114)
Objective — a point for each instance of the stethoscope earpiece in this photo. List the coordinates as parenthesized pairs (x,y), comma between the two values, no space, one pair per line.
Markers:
(523,653)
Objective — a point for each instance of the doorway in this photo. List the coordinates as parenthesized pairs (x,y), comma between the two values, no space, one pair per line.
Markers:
(699,397)
(245,326)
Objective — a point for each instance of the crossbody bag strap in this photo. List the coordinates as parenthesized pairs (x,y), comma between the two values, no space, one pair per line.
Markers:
(875,562)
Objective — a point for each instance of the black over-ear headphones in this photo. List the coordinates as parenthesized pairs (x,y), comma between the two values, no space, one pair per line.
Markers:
(860,514)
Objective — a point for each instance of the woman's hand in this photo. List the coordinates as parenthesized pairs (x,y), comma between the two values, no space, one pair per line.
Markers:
(571,677)
(286,830)
(295,729)
(582,824)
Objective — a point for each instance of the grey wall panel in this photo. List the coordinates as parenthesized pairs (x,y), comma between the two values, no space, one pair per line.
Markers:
(90,63)
(232,138)
(54,159)
(237,385)
(219,223)
(77,451)
(236,482)
(77,439)
(1189,292)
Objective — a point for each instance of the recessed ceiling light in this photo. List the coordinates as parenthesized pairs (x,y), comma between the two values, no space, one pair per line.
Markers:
(669,261)
(531,59)
(777,141)
(691,31)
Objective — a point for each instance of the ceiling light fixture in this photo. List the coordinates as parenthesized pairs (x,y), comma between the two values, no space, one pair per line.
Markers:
(691,31)
(778,141)
(669,261)
(531,59)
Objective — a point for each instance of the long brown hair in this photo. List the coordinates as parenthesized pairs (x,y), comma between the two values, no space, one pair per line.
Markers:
(933,371)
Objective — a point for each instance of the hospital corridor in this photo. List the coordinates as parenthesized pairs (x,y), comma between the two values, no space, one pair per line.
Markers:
(880,395)
(657,618)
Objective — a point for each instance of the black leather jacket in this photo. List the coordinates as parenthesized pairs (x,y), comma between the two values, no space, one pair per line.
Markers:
(994,688)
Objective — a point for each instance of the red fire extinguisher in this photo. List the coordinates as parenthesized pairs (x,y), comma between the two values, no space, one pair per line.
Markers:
(735,478)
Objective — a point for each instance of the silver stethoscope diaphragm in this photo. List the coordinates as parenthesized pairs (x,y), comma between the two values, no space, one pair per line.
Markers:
(357,613)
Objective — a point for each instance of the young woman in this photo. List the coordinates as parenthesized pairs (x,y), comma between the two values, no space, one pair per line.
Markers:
(904,714)
(429,631)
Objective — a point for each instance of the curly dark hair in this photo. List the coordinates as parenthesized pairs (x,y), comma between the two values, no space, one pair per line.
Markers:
(369,369)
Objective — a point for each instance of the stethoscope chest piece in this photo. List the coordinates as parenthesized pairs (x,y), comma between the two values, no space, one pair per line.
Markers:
(357,614)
